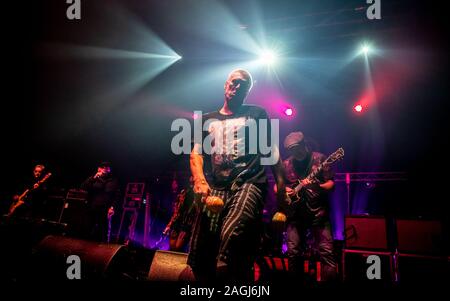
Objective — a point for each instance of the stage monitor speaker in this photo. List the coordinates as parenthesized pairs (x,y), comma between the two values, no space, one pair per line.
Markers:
(424,269)
(170,266)
(365,232)
(97,260)
(355,267)
(420,237)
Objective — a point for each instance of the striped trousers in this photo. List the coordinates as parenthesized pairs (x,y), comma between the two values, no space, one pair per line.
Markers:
(231,237)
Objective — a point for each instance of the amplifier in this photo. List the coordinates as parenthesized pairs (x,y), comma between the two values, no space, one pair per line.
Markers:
(420,237)
(74,211)
(365,232)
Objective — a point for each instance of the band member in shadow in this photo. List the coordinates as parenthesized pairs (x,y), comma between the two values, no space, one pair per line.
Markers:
(308,225)
(179,227)
(103,193)
(30,204)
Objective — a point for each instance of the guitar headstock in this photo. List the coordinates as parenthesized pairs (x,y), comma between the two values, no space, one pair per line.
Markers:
(337,155)
(45,178)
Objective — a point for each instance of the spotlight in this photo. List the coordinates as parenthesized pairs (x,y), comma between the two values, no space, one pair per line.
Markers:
(195,116)
(288,111)
(267,57)
(365,49)
(358,108)
(370,185)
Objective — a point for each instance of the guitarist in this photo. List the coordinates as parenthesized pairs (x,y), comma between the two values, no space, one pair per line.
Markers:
(180,225)
(32,201)
(309,218)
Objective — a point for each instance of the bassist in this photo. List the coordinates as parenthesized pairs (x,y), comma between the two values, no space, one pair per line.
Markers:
(31,203)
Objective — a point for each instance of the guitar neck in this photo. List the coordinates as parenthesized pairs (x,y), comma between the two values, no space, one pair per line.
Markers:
(315,172)
(24,194)
(39,183)
(337,155)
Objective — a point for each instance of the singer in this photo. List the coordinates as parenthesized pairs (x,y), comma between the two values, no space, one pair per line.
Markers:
(224,244)
(103,198)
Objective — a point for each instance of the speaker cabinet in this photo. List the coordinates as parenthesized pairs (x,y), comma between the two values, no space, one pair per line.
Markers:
(424,269)
(52,207)
(170,266)
(97,260)
(75,212)
(420,237)
(355,267)
(365,232)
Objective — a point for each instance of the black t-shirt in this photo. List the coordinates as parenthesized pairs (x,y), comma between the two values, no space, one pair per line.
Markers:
(35,200)
(102,192)
(299,170)
(234,152)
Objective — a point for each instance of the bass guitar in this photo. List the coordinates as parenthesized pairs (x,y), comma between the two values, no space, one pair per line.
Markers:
(20,200)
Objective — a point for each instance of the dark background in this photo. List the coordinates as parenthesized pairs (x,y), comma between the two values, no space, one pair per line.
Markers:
(55,110)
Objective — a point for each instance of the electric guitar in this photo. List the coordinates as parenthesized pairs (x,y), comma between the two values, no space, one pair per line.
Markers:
(21,199)
(294,198)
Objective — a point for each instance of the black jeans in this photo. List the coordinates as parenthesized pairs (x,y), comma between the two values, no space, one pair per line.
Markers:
(299,235)
(97,228)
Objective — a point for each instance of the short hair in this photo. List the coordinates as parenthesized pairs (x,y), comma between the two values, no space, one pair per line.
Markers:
(105,164)
(40,166)
(245,74)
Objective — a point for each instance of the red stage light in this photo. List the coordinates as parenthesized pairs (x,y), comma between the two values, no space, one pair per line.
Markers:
(358,108)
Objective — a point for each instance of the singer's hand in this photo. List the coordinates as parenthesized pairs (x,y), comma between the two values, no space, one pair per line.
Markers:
(202,187)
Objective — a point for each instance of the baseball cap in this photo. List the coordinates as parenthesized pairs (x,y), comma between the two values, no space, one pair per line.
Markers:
(294,138)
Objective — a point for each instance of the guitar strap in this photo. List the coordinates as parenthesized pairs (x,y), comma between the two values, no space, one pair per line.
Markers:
(307,170)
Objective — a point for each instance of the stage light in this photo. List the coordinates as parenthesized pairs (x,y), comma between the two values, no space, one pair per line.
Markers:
(288,111)
(267,57)
(370,185)
(195,116)
(365,49)
(358,108)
